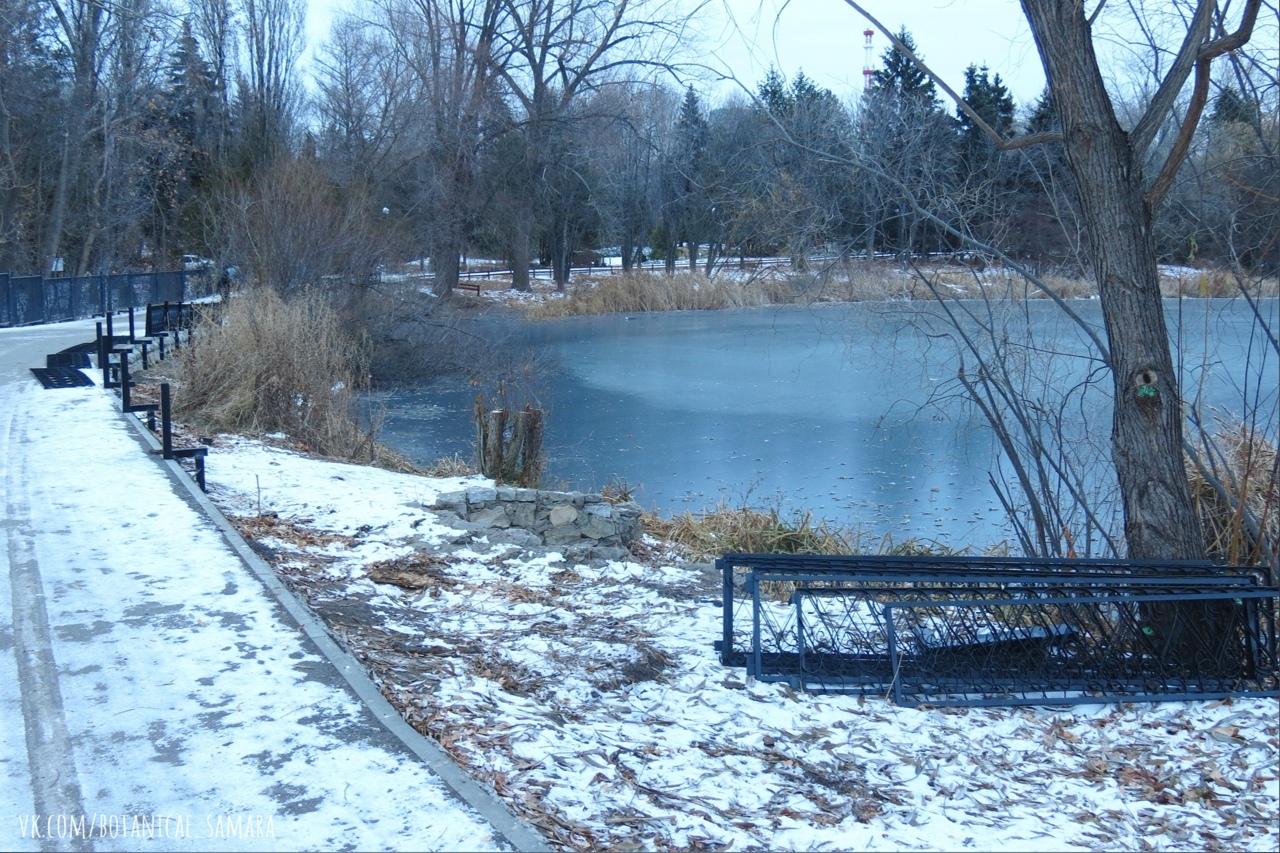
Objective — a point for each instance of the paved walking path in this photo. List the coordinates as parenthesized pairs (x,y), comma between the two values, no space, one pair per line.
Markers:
(157,689)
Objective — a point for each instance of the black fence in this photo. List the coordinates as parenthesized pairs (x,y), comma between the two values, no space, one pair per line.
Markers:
(27,300)
(961,631)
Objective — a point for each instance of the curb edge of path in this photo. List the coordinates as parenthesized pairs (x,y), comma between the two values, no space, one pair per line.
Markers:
(505,823)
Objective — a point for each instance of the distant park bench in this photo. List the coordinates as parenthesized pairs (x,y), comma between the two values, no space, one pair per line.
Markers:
(169,319)
(989,631)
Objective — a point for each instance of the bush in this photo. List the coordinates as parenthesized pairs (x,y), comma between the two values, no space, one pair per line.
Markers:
(264,365)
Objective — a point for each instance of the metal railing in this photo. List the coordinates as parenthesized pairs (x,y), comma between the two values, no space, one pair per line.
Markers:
(28,300)
(1001,631)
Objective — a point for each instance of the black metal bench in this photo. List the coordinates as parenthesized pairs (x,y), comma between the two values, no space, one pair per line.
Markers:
(196,454)
(169,319)
(964,630)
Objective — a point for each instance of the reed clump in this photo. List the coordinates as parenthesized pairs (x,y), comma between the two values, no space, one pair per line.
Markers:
(262,364)
(450,466)
(635,293)
(746,530)
(1238,497)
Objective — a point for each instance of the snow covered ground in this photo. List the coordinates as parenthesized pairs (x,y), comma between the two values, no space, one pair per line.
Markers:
(590,699)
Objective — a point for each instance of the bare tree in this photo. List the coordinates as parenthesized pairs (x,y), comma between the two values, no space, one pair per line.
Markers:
(1117,204)
(269,88)
(552,52)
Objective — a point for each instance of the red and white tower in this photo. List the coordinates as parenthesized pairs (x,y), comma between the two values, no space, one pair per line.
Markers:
(866,61)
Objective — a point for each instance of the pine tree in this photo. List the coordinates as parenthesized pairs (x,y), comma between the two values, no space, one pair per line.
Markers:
(902,78)
(990,99)
(1044,118)
(684,208)
(1231,106)
(773,96)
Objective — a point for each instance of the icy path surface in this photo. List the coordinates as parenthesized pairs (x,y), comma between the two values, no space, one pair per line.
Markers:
(152,695)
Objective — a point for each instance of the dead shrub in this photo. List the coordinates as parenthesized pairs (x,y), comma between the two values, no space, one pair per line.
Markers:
(265,365)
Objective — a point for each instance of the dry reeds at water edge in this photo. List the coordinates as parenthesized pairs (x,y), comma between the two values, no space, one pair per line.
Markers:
(1237,494)
(724,530)
(643,292)
(260,364)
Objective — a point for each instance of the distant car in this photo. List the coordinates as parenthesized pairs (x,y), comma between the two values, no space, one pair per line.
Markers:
(195,262)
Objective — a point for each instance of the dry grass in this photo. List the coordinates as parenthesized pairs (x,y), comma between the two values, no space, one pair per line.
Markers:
(263,365)
(450,466)
(854,281)
(634,293)
(1213,283)
(1249,471)
(743,530)
(747,531)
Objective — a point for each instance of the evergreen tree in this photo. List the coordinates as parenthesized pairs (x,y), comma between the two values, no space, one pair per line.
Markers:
(902,78)
(991,100)
(772,94)
(686,210)
(1231,106)
(1044,118)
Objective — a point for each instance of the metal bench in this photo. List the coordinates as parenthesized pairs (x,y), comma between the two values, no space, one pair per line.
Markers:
(169,319)
(196,454)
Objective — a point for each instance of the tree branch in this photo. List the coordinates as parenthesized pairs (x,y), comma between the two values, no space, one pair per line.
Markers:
(1144,132)
(1195,48)
(1181,145)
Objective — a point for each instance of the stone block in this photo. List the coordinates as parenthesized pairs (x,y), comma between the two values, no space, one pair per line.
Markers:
(482,495)
(453,501)
(506,493)
(526,495)
(598,527)
(562,535)
(514,536)
(494,516)
(521,515)
(562,515)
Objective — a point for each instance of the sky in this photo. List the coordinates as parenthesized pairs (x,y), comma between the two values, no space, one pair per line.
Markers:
(824,38)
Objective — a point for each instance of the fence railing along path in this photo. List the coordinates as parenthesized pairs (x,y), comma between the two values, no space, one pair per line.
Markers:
(31,299)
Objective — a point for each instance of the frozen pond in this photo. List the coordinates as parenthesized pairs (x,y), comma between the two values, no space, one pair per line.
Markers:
(848,411)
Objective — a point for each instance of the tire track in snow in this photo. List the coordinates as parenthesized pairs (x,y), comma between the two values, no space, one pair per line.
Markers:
(55,784)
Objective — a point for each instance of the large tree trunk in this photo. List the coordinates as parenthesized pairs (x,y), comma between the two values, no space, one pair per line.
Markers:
(521,254)
(1146,438)
(445,264)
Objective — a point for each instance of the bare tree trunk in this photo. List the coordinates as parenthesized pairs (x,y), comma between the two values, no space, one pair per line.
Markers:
(521,255)
(445,265)
(8,192)
(81,26)
(1146,439)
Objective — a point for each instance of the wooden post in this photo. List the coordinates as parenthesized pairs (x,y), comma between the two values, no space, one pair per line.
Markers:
(531,448)
(496,427)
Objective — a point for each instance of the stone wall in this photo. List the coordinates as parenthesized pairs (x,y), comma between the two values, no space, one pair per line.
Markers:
(569,520)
